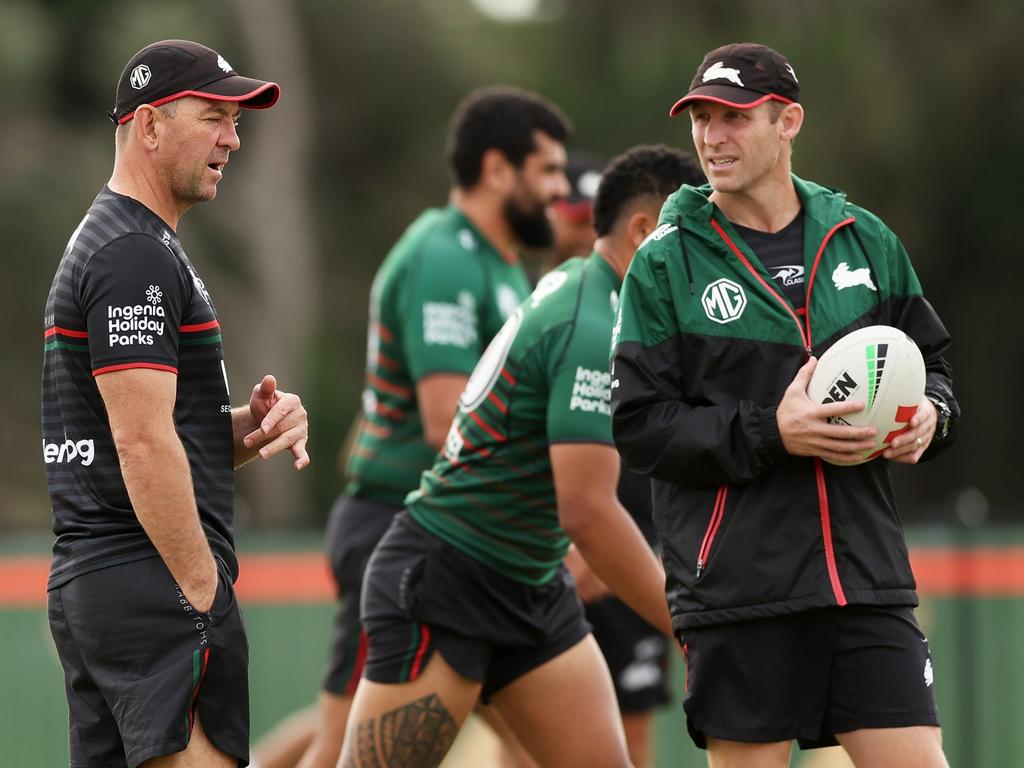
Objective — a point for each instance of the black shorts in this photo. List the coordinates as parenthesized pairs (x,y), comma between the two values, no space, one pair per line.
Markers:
(354,527)
(636,652)
(808,676)
(422,594)
(139,662)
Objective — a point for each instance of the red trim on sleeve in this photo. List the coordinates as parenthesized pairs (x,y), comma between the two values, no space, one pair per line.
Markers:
(126,366)
(65,332)
(199,327)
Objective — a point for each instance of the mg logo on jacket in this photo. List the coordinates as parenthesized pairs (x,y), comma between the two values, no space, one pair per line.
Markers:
(723,301)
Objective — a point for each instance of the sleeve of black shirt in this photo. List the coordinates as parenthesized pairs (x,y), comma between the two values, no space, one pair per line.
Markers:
(133,295)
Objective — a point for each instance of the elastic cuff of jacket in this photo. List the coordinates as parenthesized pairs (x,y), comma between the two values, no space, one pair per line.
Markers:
(770,431)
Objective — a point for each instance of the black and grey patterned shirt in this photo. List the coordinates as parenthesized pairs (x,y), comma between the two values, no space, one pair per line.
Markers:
(125,295)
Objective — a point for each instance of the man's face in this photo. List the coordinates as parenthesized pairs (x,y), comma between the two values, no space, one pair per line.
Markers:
(739,149)
(540,181)
(198,139)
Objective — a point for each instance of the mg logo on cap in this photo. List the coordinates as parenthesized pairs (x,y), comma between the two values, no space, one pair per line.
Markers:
(723,301)
(140,77)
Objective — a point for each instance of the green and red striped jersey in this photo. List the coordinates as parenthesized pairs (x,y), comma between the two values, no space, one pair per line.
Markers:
(544,379)
(440,295)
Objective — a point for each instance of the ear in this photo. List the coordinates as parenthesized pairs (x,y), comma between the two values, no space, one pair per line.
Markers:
(496,172)
(147,126)
(791,119)
(639,225)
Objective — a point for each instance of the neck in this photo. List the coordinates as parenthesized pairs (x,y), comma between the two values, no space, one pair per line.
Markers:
(147,188)
(769,207)
(486,214)
(616,252)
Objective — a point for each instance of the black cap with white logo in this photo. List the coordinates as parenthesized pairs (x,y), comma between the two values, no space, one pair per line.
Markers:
(171,69)
(742,75)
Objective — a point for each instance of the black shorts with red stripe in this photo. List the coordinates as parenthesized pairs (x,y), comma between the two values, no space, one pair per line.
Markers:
(354,527)
(422,595)
(808,676)
(140,664)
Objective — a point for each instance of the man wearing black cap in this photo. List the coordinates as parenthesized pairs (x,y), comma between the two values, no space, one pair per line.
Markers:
(140,442)
(787,577)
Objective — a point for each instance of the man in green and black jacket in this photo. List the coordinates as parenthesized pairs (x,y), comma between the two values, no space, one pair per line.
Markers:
(788,578)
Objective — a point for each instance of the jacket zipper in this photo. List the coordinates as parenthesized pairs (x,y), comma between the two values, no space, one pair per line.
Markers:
(806,338)
(709,535)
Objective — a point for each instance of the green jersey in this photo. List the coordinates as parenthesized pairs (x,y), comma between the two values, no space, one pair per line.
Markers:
(440,295)
(543,380)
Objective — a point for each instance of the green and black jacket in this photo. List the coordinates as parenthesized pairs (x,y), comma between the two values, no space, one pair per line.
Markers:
(704,349)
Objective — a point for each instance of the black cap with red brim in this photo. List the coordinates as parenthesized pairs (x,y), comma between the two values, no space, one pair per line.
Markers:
(172,69)
(742,75)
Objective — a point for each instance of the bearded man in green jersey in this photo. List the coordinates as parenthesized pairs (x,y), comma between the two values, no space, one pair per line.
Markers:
(440,295)
(466,598)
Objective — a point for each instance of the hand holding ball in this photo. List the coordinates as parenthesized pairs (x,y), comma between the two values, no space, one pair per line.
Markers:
(880,366)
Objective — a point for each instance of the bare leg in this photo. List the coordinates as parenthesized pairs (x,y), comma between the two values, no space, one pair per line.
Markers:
(330,732)
(913,747)
(510,752)
(739,754)
(285,744)
(564,712)
(637,726)
(408,725)
(199,753)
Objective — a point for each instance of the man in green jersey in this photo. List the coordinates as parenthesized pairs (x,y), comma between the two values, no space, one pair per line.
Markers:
(441,294)
(788,576)
(473,569)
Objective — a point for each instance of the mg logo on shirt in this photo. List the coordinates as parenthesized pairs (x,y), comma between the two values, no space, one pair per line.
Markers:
(723,301)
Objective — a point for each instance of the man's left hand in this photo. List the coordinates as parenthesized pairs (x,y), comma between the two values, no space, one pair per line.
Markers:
(282,422)
(908,446)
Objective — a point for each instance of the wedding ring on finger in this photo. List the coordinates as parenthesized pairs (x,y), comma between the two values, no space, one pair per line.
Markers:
(920,442)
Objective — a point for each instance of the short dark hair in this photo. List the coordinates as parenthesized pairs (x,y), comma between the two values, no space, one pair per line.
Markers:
(655,170)
(503,118)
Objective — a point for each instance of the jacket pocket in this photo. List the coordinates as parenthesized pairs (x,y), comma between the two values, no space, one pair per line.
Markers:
(712,530)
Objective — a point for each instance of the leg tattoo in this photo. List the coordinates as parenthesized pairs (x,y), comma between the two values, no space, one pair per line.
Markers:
(417,735)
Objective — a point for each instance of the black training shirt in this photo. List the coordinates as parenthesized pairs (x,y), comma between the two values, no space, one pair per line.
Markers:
(125,295)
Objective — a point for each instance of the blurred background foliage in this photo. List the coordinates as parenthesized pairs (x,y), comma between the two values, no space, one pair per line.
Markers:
(909,109)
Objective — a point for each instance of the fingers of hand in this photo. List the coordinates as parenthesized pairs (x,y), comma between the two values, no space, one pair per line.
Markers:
(253,438)
(286,440)
(829,410)
(298,449)
(287,406)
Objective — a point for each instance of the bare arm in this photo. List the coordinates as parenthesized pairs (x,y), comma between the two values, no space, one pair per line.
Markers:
(140,408)
(271,422)
(586,475)
(438,395)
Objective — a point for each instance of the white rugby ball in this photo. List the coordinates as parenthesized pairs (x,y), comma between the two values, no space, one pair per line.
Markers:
(881,367)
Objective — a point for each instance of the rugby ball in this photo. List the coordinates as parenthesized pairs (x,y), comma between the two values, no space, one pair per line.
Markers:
(881,367)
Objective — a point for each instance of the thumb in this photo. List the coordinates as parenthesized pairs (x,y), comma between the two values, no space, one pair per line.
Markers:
(265,388)
(803,376)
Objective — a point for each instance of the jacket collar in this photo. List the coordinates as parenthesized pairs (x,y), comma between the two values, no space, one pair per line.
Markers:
(824,206)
